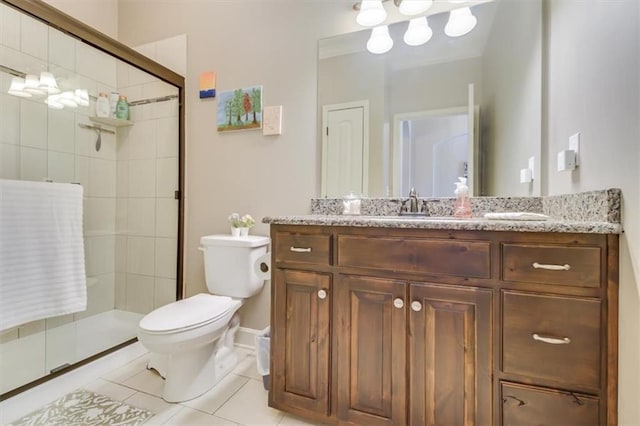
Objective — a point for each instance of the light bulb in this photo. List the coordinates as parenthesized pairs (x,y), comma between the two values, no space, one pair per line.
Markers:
(461,21)
(31,85)
(414,7)
(371,13)
(17,88)
(48,83)
(380,40)
(418,32)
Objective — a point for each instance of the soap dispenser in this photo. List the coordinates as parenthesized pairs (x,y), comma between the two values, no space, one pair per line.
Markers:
(462,206)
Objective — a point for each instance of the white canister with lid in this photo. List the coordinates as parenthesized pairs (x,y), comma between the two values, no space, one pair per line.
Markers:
(103,108)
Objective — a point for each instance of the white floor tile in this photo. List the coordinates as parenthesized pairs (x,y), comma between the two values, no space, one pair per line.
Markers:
(248,368)
(221,392)
(112,390)
(162,409)
(129,370)
(147,381)
(249,406)
(188,416)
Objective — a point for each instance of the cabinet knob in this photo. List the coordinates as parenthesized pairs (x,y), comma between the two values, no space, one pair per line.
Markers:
(398,303)
(416,306)
(322,294)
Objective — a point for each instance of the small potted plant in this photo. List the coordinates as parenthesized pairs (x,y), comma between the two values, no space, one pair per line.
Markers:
(240,224)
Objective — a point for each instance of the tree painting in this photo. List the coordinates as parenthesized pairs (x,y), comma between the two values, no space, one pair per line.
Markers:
(240,109)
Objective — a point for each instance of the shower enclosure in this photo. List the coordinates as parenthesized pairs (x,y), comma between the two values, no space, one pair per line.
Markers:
(130,170)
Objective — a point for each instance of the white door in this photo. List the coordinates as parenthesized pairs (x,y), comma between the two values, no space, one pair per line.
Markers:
(345,153)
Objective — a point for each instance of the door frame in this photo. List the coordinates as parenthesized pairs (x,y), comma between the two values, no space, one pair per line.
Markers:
(326,109)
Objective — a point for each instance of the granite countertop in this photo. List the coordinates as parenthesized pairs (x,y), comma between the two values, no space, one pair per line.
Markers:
(594,212)
(473,224)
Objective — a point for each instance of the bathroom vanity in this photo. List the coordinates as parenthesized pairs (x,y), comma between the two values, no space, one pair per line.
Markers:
(393,321)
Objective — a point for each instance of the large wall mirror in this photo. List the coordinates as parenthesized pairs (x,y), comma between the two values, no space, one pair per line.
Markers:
(455,106)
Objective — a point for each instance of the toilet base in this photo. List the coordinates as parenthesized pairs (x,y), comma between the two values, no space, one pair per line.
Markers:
(192,373)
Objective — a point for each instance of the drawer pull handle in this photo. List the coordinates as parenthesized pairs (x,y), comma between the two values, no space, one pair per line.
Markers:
(416,306)
(551,267)
(322,294)
(300,249)
(551,340)
(398,303)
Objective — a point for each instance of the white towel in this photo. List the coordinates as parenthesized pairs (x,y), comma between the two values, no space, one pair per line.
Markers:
(42,271)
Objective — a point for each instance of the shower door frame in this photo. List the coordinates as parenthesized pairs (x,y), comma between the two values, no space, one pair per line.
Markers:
(75,28)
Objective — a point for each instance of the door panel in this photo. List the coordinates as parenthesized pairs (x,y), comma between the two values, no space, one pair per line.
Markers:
(300,341)
(450,356)
(371,351)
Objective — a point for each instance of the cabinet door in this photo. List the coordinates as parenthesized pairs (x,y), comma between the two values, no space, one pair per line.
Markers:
(300,341)
(371,329)
(450,356)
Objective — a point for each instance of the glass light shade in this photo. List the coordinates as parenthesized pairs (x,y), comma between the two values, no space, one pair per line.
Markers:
(54,102)
(67,99)
(17,88)
(31,85)
(418,32)
(81,96)
(461,21)
(457,1)
(371,13)
(413,7)
(48,83)
(380,40)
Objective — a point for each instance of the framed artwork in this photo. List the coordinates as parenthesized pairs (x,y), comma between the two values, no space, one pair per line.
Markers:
(208,85)
(240,109)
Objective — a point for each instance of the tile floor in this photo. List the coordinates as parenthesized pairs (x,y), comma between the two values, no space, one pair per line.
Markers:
(239,399)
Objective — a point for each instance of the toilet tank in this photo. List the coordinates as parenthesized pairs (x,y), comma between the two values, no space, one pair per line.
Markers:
(229,264)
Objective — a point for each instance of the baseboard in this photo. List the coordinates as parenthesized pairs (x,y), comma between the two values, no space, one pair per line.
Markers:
(246,337)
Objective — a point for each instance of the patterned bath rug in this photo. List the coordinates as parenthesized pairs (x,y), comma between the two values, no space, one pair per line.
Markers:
(84,408)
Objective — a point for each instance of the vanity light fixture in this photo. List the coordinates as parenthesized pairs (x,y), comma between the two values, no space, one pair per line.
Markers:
(380,40)
(461,21)
(413,7)
(418,32)
(371,13)
(53,102)
(67,99)
(81,96)
(17,88)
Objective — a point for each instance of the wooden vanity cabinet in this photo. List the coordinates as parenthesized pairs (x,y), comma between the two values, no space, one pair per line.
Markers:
(376,326)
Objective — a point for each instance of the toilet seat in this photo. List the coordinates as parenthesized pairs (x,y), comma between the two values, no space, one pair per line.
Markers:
(186,314)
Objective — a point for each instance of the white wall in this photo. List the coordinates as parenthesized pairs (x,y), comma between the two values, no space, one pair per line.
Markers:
(592,87)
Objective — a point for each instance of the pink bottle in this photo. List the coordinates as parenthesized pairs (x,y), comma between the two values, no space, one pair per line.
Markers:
(462,206)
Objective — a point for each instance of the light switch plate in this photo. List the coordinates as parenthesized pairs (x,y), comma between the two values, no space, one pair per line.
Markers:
(574,145)
(272,120)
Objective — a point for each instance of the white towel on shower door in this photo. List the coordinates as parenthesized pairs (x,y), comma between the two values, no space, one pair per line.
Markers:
(42,271)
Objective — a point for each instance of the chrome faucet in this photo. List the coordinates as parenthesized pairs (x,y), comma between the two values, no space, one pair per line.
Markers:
(412,206)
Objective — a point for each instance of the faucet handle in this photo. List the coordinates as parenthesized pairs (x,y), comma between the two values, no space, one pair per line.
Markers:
(413,193)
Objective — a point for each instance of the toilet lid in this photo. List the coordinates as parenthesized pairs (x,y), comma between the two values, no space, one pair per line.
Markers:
(187,313)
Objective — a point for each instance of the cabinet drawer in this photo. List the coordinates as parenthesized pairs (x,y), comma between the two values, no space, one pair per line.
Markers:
(528,405)
(305,248)
(460,258)
(553,338)
(561,265)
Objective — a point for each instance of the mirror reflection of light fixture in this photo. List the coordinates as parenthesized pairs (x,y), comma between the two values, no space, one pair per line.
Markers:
(418,32)
(48,83)
(32,85)
(461,21)
(53,102)
(67,99)
(414,7)
(81,96)
(17,88)
(371,13)
(380,40)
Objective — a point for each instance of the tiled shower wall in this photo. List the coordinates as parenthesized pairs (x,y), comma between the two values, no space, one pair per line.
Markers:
(130,216)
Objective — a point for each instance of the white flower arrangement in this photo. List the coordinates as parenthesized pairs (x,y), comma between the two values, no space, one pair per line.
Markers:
(237,221)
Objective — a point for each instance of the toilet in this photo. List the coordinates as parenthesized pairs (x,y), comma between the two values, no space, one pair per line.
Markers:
(190,341)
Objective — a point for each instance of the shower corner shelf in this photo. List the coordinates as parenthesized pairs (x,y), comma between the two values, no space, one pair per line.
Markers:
(115,122)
